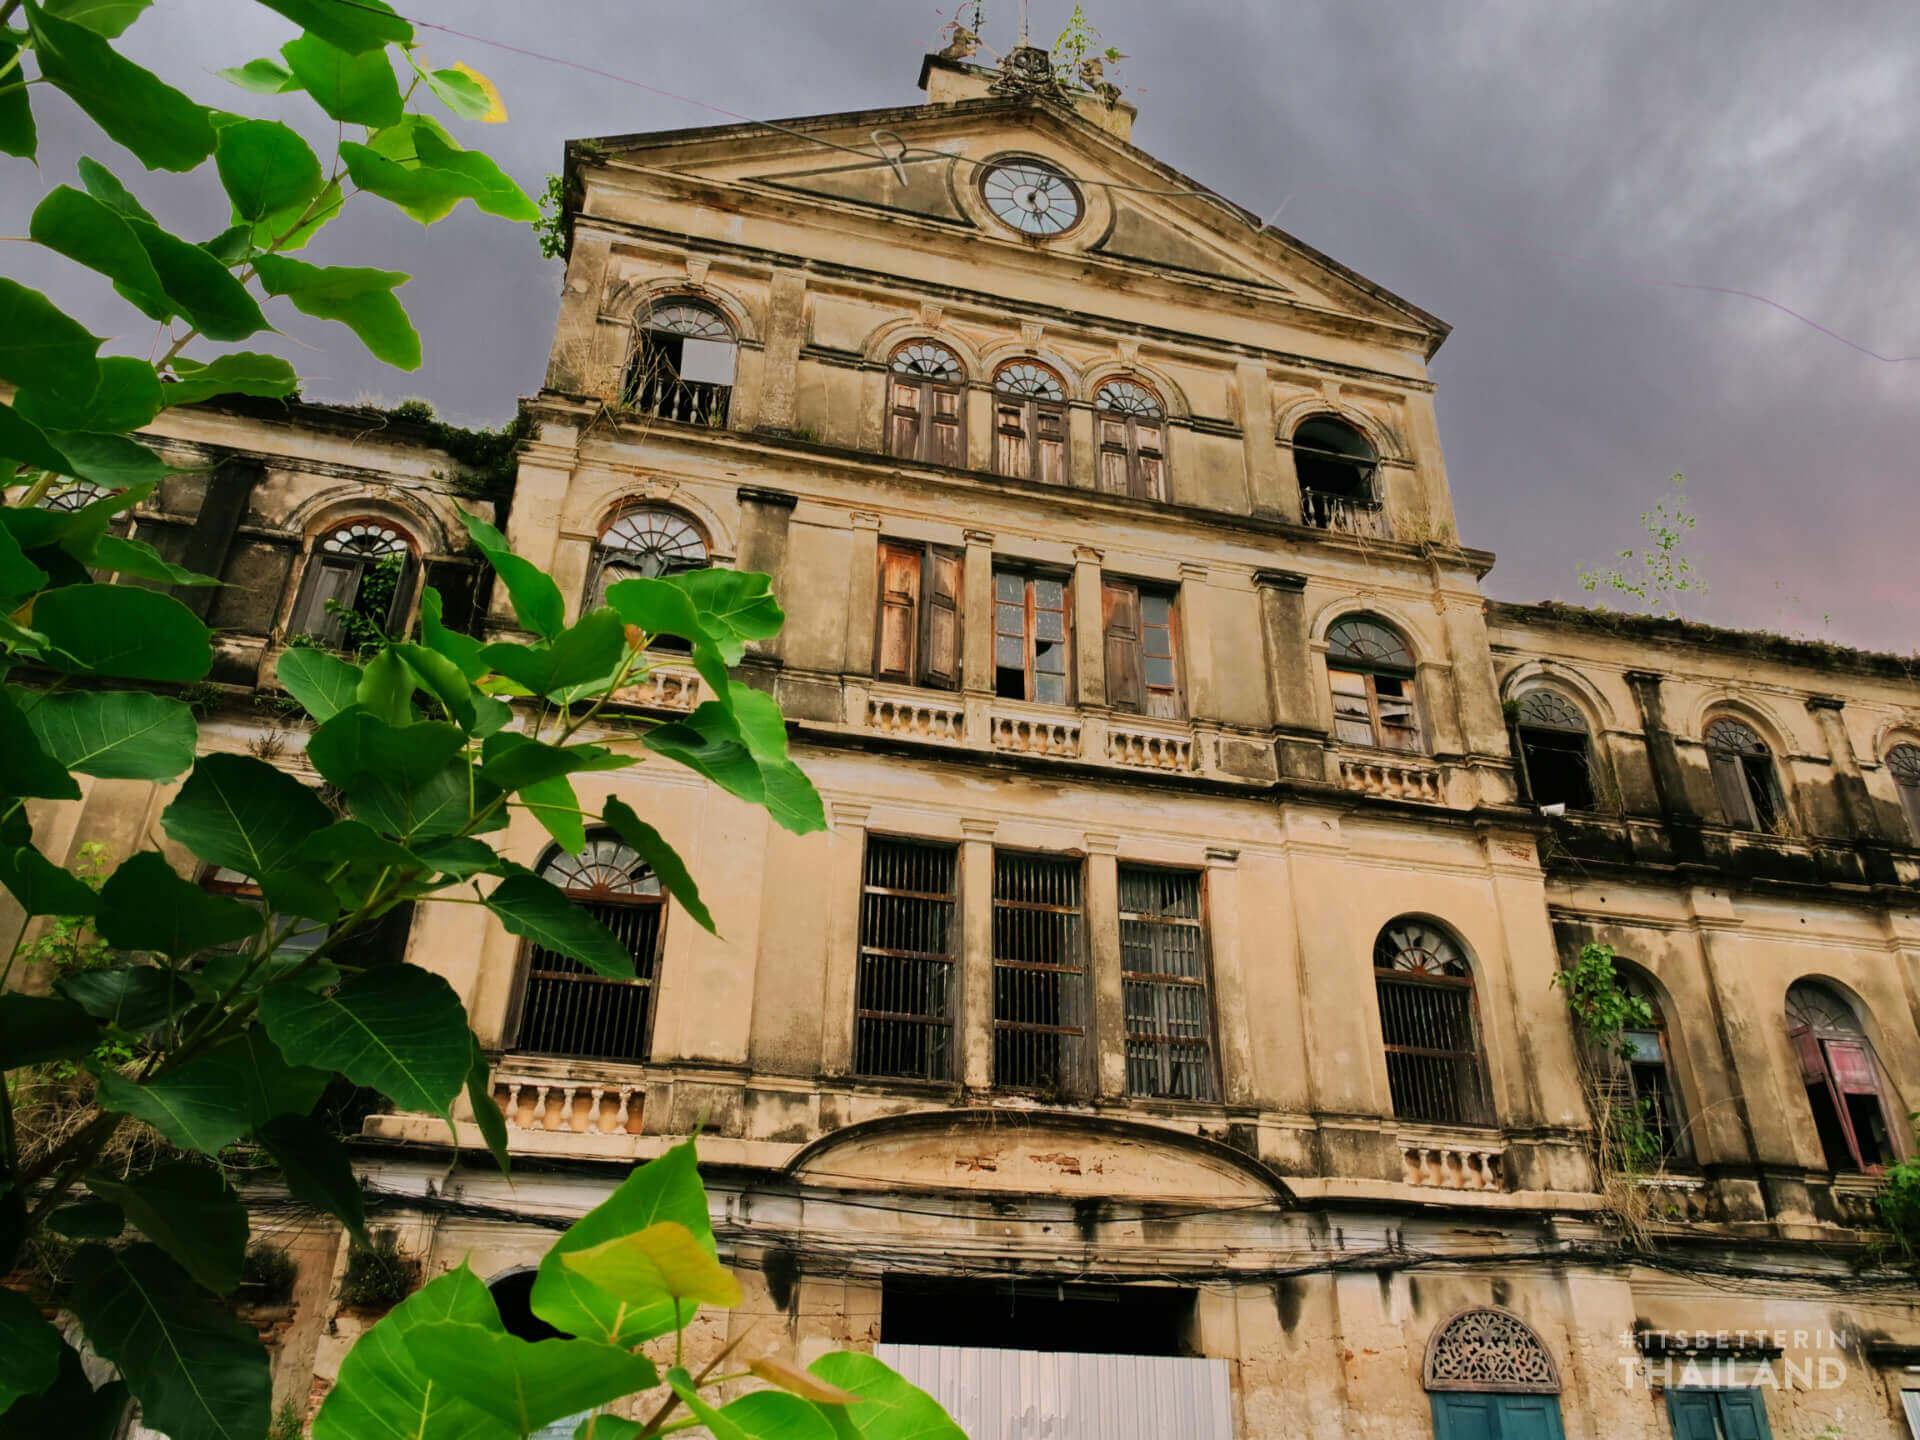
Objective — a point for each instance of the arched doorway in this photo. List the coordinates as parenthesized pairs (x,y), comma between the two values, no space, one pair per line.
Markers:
(1490,1378)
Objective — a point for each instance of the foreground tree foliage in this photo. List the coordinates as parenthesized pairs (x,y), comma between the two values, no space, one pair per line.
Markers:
(205,1022)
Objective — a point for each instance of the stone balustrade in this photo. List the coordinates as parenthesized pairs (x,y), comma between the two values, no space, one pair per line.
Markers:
(574,1107)
(1149,749)
(1034,735)
(1452,1165)
(917,719)
(1397,780)
(663,689)
(1678,1199)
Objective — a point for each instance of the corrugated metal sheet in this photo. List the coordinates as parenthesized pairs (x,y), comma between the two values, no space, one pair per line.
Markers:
(1048,1395)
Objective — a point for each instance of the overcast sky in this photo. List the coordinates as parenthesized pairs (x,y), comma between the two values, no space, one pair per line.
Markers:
(1526,171)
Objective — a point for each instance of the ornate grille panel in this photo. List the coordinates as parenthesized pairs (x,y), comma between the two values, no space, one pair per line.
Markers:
(904,1022)
(1163,960)
(1039,973)
(1488,1349)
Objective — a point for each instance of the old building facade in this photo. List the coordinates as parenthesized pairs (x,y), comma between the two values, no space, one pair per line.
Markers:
(1175,982)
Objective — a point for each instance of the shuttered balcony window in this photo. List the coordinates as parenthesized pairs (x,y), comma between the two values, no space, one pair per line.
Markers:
(908,940)
(919,621)
(1143,664)
(1040,1002)
(566,1009)
(1164,976)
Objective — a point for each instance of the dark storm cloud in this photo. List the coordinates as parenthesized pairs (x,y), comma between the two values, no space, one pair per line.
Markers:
(1445,150)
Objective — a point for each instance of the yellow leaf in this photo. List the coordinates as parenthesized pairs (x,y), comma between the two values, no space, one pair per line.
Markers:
(496,108)
(795,1381)
(661,1262)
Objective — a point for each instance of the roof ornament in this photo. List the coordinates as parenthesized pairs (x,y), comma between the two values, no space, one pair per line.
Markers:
(1026,70)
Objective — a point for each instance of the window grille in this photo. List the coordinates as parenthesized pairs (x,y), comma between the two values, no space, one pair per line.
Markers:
(1040,998)
(566,1009)
(1164,977)
(646,543)
(908,939)
(1429,1026)
(75,495)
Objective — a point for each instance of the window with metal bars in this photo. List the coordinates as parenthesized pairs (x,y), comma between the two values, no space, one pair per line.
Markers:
(1163,963)
(1040,1000)
(903,1025)
(1429,1025)
(566,1009)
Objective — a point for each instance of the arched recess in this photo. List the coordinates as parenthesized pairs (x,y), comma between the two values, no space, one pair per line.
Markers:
(647,540)
(1386,444)
(1562,755)
(1579,688)
(1427,989)
(626,302)
(598,500)
(997,357)
(887,338)
(1658,1074)
(1373,685)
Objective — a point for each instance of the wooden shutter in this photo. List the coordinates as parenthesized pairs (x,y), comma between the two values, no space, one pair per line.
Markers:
(1691,1413)
(328,578)
(400,608)
(1113,455)
(1730,782)
(1050,440)
(1150,479)
(940,619)
(1012,452)
(903,419)
(1120,616)
(1743,1414)
(949,435)
(899,612)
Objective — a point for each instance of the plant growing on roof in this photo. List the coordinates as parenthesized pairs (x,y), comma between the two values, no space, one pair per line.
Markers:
(1666,571)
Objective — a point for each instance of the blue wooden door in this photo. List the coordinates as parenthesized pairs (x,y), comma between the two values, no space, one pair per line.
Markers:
(1464,1415)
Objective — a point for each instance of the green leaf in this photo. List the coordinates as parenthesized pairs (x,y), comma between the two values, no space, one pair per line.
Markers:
(109,460)
(355,744)
(512,759)
(661,858)
(386,688)
(441,678)
(221,972)
(188,1211)
(42,887)
(356,844)
(198,1373)
(268,170)
(241,373)
(145,905)
(890,1408)
(36,1029)
(17,134)
(441,805)
(526,1384)
(102,184)
(265,76)
(762,1415)
(381,1394)
(136,998)
(125,631)
(220,1095)
(665,1189)
(654,1266)
(488,186)
(104,17)
(88,1220)
(733,606)
(241,812)
(25,768)
(557,808)
(356,89)
(460,93)
(316,1170)
(662,609)
(539,910)
(324,684)
(153,120)
(462,650)
(362,300)
(536,598)
(127,398)
(397,1029)
(709,741)
(91,233)
(71,1408)
(418,167)
(29,1348)
(25,443)
(200,287)
(136,557)
(116,734)
(458,855)
(43,348)
(582,654)
(789,796)
(486,1114)
(365,25)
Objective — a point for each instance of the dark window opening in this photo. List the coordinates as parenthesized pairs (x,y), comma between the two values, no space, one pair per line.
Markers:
(1557,769)
(908,940)
(358,586)
(1842,1074)
(1030,651)
(682,364)
(1833,1134)
(1744,777)
(1904,762)
(1038,1315)
(1040,1000)
(1337,470)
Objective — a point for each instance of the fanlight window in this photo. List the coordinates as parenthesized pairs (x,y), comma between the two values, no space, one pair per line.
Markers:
(1556,752)
(1030,423)
(682,363)
(1843,1079)
(565,1008)
(646,543)
(1132,458)
(1904,762)
(1371,674)
(1338,472)
(926,408)
(358,584)
(75,495)
(1744,776)
(1429,1025)
(1490,1350)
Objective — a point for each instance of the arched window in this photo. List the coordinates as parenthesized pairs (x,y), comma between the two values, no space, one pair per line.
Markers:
(358,585)
(1648,1075)
(926,411)
(1030,423)
(1338,472)
(1487,1373)
(1556,753)
(1842,1076)
(682,363)
(645,543)
(565,1008)
(1132,461)
(74,495)
(1429,1023)
(1371,672)
(1743,776)
(1904,762)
